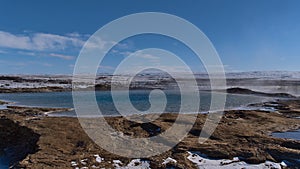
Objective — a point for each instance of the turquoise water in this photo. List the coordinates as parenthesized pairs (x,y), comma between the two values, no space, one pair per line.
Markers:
(138,98)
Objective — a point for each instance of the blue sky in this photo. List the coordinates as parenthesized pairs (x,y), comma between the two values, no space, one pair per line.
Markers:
(45,37)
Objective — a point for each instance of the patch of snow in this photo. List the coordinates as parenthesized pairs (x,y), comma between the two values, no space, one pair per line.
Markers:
(268,109)
(83,86)
(10,84)
(235,163)
(226,162)
(272,165)
(3,107)
(283,164)
(98,158)
(136,164)
(169,160)
(83,162)
(117,163)
(73,163)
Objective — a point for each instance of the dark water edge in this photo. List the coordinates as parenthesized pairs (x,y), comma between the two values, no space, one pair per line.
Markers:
(10,156)
(4,161)
(295,134)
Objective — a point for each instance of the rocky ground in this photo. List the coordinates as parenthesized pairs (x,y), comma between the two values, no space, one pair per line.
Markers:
(2,102)
(283,84)
(38,141)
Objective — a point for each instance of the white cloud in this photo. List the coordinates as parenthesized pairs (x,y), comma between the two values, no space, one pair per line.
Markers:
(26,53)
(39,41)
(42,41)
(74,34)
(78,35)
(99,43)
(53,45)
(61,56)
(124,45)
(14,41)
(65,57)
(46,41)
(148,56)
(43,44)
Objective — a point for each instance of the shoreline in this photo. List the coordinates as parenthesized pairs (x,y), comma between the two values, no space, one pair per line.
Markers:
(260,125)
(229,90)
(8,103)
(58,110)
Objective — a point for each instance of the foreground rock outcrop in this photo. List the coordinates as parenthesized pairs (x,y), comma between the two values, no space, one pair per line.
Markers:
(17,141)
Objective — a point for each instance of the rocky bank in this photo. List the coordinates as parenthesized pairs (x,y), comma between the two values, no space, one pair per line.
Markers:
(38,141)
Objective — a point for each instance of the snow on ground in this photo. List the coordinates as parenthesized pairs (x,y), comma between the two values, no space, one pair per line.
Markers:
(9,84)
(265,75)
(98,158)
(117,163)
(235,163)
(169,160)
(200,161)
(83,162)
(73,163)
(251,80)
(3,107)
(136,164)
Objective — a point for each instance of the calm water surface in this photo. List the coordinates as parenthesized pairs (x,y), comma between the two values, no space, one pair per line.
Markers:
(289,134)
(138,98)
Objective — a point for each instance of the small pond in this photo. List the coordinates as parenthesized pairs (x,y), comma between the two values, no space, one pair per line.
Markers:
(295,134)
